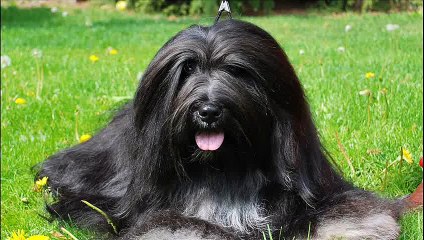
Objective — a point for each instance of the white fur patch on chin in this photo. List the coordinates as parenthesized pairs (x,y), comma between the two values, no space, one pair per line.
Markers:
(377,226)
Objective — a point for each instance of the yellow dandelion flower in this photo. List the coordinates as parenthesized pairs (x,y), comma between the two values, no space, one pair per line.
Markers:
(40,183)
(85,138)
(369,75)
(20,101)
(121,5)
(112,51)
(407,156)
(38,237)
(384,91)
(18,235)
(94,58)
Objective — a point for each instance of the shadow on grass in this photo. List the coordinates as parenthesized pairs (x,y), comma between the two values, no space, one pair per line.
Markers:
(41,16)
(25,17)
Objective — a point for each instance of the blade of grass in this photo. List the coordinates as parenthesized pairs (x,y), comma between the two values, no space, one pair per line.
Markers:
(343,150)
(109,221)
(309,231)
(269,232)
(263,235)
(279,235)
(68,233)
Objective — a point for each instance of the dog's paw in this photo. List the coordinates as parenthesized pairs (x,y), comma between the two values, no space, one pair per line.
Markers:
(375,226)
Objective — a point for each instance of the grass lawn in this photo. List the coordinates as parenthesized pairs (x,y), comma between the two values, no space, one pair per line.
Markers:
(78,96)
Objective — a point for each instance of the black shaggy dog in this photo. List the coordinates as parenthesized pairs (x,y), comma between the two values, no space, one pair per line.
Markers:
(218,143)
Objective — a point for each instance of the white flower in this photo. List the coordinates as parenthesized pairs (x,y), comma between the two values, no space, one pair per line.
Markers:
(341,49)
(5,61)
(348,28)
(37,53)
(391,27)
(301,51)
(365,92)
(64,14)
(54,9)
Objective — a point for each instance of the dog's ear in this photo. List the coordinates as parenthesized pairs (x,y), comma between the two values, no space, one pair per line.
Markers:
(299,158)
(157,88)
(300,162)
(159,84)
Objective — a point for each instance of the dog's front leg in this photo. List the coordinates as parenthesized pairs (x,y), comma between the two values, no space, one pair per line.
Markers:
(358,214)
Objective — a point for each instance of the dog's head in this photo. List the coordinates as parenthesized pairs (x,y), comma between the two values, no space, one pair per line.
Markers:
(227,95)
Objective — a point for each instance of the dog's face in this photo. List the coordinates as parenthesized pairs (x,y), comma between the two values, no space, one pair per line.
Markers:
(221,91)
(220,100)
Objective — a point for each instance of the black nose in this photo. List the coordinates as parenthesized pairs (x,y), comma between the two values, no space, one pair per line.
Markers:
(210,113)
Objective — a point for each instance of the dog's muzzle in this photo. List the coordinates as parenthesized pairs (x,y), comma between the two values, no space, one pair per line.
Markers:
(209,139)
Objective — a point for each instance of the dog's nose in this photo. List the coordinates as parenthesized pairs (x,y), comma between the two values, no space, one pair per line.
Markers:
(210,113)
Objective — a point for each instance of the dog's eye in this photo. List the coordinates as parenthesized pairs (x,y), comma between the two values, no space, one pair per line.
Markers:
(236,71)
(189,67)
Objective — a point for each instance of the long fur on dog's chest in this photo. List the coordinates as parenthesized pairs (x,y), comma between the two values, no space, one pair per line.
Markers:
(217,201)
(242,215)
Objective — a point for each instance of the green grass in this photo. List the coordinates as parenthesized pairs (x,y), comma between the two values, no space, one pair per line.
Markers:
(332,80)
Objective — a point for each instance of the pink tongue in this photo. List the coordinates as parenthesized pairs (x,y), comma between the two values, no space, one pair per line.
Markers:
(208,141)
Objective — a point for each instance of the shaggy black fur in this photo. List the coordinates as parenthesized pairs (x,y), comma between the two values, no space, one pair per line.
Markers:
(147,173)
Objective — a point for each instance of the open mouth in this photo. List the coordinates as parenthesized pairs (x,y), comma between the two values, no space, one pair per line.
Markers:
(209,141)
